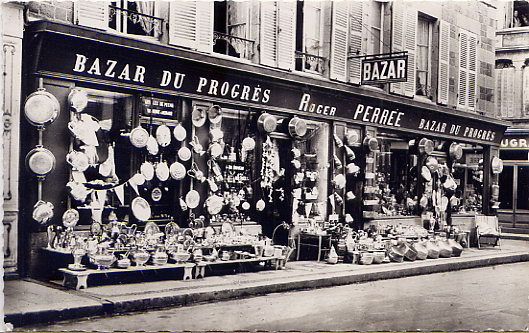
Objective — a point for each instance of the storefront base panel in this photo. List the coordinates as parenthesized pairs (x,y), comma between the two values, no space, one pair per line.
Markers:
(37,265)
(381,223)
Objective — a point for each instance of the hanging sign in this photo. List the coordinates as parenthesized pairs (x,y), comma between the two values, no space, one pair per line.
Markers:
(385,69)
(159,108)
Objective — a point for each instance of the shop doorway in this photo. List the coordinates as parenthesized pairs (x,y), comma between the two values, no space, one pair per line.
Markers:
(514,196)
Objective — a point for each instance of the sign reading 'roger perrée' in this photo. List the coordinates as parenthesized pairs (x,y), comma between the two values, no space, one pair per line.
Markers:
(385,69)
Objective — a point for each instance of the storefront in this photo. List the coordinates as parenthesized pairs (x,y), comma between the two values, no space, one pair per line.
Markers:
(145,144)
(514,180)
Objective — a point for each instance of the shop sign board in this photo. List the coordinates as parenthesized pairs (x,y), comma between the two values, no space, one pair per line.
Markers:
(159,108)
(385,69)
(515,142)
(100,62)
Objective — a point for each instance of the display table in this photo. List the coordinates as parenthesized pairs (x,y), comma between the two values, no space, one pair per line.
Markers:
(79,279)
(321,242)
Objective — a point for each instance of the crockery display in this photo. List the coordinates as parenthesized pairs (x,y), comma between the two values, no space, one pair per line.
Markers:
(192,199)
(70,218)
(177,170)
(139,137)
(42,211)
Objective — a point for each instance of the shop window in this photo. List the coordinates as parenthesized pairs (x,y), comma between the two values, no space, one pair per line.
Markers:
(423,58)
(309,37)
(278,34)
(99,138)
(231,29)
(138,18)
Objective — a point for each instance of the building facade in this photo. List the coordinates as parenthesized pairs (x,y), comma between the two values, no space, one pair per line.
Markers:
(512,56)
(322,147)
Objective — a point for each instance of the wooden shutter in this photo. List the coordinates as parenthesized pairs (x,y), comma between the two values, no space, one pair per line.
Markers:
(463,70)
(525,91)
(410,44)
(397,39)
(505,92)
(204,25)
(472,71)
(182,23)
(356,46)
(444,62)
(339,44)
(93,14)
(269,26)
(467,70)
(286,36)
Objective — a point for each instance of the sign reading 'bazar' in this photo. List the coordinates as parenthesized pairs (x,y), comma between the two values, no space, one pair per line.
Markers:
(109,62)
(385,70)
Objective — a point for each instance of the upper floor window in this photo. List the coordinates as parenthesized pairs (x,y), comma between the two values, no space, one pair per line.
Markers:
(309,37)
(423,57)
(129,17)
(231,29)
(519,17)
(374,22)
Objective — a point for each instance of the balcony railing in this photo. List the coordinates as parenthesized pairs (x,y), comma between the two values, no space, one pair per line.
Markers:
(244,48)
(147,25)
(311,63)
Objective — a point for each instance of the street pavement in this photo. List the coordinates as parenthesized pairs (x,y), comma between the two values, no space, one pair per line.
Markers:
(488,298)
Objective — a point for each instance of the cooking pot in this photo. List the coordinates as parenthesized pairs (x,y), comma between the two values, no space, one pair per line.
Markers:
(162,171)
(297,127)
(371,143)
(41,108)
(214,204)
(192,199)
(455,150)
(177,171)
(215,150)
(179,132)
(352,168)
(497,165)
(426,174)
(78,99)
(147,170)
(248,143)
(141,209)
(432,163)
(152,146)
(139,137)
(349,153)
(163,135)
(339,181)
(184,153)
(425,146)
(198,116)
(267,123)
(40,161)
(216,134)
(215,114)
(352,137)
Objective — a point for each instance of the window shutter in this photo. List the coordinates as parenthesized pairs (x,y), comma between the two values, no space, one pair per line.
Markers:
(269,26)
(499,93)
(204,25)
(339,51)
(397,39)
(93,14)
(355,40)
(525,91)
(410,44)
(463,70)
(286,37)
(444,62)
(507,92)
(472,72)
(183,23)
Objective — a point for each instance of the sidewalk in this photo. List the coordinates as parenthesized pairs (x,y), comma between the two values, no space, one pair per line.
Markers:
(28,302)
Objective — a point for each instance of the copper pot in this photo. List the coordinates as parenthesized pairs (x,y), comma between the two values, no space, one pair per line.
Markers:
(297,127)
(267,123)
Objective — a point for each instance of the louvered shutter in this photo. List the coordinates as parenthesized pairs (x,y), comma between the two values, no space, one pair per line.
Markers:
(472,71)
(444,62)
(93,14)
(463,70)
(356,15)
(204,25)
(507,91)
(410,44)
(397,39)
(525,91)
(339,45)
(269,26)
(286,36)
(182,23)
(499,92)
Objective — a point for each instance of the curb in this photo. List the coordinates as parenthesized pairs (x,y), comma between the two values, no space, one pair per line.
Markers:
(109,307)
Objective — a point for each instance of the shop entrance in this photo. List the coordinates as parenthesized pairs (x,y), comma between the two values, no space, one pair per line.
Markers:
(514,195)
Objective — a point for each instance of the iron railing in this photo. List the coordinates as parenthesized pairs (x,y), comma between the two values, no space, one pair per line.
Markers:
(151,25)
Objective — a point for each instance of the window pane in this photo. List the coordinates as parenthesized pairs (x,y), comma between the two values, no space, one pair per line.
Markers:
(506,182)
(523,187)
